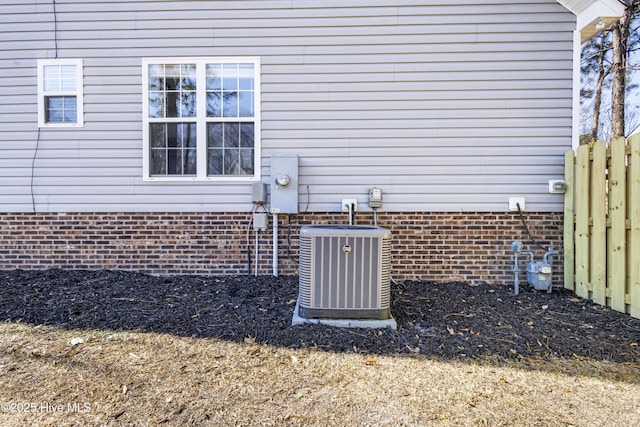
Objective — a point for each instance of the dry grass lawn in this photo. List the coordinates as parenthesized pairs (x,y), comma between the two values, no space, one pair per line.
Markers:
(61,377)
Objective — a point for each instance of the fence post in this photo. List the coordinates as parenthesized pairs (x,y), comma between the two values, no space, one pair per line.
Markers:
(568,227)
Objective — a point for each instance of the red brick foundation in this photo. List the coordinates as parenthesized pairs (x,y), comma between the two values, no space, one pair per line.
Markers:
(473,247)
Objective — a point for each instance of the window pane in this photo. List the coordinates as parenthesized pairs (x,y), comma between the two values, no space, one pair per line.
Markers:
(69,109)
(68,78)
(246,104)
(230,104)
(53,110)
(230,148)
(214,77)
(173,148)
(214,104)
(173,104)
(171,77)
(188,77)
(174,162)
(156,104)
(156,77)
(158,135)
(231,135)
(214,163)
(229,76)
(190,162)
(61,109)
(158,162)
(246,161)
(172,90)
(232,162)
(187,135)
(215,135)
(52,82)
(246,135)
(173,140)
(187,104)
(246,77)
(181,104)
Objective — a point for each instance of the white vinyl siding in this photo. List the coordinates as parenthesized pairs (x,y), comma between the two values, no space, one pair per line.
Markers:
(446,106)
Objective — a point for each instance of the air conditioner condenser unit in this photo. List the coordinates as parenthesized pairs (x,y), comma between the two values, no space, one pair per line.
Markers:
(344,272)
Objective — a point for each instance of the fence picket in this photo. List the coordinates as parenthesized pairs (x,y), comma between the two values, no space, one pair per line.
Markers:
(598,236)
(582,222)
(634,233)
(618,216)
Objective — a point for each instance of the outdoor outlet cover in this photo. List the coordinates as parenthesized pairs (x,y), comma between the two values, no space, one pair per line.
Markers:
(557,186)
(347,202)
(514,202)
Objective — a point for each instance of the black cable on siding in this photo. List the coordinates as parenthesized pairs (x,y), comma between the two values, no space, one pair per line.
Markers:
(55,28)
(35,151)
(33,171)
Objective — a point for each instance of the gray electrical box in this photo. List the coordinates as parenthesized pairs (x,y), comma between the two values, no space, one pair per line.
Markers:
(260,221)
(259,193)
(284,183)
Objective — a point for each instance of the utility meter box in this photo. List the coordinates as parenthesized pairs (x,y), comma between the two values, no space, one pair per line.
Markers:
(284,183)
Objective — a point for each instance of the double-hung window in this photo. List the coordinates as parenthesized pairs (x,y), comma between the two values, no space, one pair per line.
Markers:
(60,93)
(201,118)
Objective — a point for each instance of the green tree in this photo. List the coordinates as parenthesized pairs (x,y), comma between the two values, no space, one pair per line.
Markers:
(608,61)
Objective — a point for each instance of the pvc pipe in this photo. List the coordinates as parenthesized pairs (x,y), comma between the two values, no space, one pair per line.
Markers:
(275,245)
(517,247)
(516,271)
(256,267)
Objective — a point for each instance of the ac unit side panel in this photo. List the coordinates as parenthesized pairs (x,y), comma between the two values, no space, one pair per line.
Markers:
(385,273)
(305,271)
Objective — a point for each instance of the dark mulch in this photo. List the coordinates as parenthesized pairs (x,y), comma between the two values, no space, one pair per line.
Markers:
(450,320)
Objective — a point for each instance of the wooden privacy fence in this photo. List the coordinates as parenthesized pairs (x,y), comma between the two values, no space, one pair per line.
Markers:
(602,224)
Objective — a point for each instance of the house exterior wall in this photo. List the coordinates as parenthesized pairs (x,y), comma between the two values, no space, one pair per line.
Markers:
(447,106)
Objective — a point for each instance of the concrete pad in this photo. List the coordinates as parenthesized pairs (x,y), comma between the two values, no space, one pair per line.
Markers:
(345,323)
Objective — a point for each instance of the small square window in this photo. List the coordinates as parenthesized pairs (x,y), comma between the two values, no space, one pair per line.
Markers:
(60,93)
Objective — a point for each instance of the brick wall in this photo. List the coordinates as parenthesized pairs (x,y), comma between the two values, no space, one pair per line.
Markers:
(472,246)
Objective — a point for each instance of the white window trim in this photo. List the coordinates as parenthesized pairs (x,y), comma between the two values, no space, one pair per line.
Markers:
(201,123)
(78,93)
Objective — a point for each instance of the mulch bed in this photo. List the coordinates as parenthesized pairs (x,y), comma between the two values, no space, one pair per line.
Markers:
(448,320)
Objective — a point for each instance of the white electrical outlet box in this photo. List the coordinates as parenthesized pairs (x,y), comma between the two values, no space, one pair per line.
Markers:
(557,186)
(347,202)
(514,202)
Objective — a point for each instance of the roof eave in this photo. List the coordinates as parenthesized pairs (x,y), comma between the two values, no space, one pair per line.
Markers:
(594,16)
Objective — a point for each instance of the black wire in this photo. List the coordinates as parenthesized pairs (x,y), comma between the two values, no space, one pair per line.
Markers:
(33,171)
(524,224)
(306,208)
(55,28)
(289,236)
